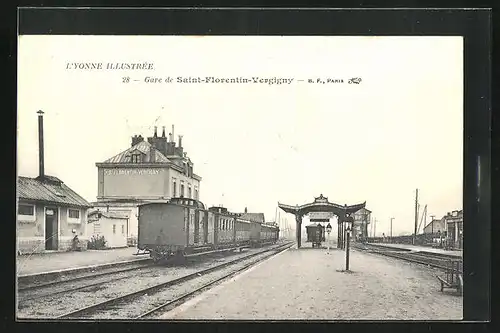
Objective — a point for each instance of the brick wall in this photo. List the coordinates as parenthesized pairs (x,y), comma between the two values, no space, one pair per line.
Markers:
(28,246)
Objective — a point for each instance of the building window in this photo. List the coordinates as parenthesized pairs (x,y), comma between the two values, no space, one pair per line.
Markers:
(136,158)
(26,212)
(73,215)
(182,191)
(189,192)
(196,194)
(174,189)
(114,228)
(123,229)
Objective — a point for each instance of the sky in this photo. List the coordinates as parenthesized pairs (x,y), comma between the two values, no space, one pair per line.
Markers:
(255,145)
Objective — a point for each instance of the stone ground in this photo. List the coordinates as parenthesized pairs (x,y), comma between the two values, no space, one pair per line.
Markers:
(306,284)
(47,262)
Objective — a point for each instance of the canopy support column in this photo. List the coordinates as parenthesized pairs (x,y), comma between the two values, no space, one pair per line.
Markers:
(298,220)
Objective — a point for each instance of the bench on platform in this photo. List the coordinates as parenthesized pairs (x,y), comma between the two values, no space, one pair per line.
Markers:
(453,276)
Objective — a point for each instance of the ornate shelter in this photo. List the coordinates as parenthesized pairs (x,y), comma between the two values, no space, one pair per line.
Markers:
(321,204)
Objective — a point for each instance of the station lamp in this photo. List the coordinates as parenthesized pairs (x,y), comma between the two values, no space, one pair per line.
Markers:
(349,221)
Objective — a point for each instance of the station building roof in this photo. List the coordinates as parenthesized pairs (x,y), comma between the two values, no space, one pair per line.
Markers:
(49,189)
(143,147)
(254,217)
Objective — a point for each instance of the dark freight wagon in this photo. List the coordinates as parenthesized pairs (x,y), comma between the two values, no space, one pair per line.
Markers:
(315,234)
(183,226)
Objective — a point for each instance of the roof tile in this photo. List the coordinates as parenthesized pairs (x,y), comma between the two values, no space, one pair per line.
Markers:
(50,189)
(145,148)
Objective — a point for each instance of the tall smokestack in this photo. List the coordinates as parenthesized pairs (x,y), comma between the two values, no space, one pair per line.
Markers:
(172,134)
(180,141)
(40,144)
(155,135)
(163,132)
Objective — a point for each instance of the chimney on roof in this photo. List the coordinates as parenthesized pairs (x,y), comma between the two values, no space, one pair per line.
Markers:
(180,141)
(246,211)
(40,144)
(163,132)
(136,139)
(155,135)
(172,134)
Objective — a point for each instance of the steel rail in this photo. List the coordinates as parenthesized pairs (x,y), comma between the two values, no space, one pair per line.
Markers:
(52,293)
(80,278)
(155,288)
(149,264)
(414,257)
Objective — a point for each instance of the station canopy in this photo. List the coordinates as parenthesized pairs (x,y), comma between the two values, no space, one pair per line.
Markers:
(321,205)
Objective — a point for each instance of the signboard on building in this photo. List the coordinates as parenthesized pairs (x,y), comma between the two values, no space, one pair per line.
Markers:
(131,171)
(320,216)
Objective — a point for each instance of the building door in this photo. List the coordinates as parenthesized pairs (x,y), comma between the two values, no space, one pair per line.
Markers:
(51,229)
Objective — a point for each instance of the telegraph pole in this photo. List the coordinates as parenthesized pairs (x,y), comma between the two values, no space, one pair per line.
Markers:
(375,228)
(416,216)
(432,225)
(392,218)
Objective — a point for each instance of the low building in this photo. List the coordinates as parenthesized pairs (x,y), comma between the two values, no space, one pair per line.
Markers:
(435,226)
(113,226)
(49,213)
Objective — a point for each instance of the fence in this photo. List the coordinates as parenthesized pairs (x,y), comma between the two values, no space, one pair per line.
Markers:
(436,239)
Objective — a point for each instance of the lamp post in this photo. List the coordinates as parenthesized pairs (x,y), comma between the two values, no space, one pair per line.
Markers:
(349,222)
(328,230)
(392,218)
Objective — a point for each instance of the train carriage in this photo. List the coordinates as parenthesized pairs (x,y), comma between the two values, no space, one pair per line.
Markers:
(183,226)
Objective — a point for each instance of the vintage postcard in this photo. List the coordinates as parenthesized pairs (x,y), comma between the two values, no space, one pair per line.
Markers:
(240,177)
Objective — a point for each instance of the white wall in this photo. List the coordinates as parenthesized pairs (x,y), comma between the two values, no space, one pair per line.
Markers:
(104,227)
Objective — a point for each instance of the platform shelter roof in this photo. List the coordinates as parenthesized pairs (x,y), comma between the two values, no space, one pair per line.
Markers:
(321,204)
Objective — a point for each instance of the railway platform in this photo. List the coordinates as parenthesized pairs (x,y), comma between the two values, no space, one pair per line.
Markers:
(420,248)
(46,263)
(306,283)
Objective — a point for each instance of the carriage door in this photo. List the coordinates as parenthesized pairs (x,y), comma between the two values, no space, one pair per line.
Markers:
(205,227)
(196,226)
(216,229)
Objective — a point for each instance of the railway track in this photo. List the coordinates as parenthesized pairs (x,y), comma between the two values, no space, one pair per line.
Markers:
(147,302)
(435,260)
(79,281)
(53,288)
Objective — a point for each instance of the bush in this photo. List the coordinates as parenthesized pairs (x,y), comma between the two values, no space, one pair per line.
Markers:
(96,242)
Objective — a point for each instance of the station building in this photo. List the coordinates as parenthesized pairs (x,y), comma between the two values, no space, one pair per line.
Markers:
(454,228)
(152,170)
(361,220)
(435,226)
